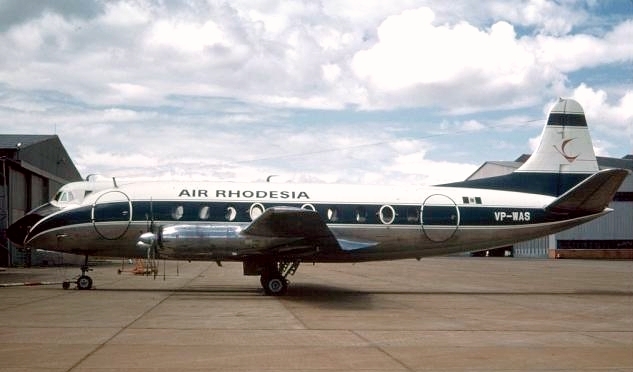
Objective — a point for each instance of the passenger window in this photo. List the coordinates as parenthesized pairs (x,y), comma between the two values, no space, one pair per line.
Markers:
(332,214)
(360,215)
(231,213)
(308,207)
(413,214)
(387,214)
(256,210)
(205,212)
(177,212)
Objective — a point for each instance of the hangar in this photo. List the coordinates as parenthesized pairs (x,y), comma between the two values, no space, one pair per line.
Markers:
(33,168)
(610,236)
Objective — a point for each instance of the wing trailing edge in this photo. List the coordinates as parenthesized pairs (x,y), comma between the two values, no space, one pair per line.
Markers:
(289,222)
(306,226)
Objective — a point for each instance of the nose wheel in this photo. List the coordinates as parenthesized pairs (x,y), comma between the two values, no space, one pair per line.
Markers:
(83,281)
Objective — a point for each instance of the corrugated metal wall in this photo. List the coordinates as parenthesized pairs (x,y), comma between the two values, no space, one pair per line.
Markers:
(617,225)
(532,248)
(39,192)
(18,202)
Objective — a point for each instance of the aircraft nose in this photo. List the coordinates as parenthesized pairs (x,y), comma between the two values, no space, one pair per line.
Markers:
(18,231)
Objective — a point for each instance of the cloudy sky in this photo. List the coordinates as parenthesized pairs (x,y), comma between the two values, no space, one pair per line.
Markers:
(381,92)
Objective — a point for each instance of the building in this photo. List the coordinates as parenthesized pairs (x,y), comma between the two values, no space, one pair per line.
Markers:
(33,168)
(610,236)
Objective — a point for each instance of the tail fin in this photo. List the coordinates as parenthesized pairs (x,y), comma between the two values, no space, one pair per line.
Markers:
(563,159)
(565,143)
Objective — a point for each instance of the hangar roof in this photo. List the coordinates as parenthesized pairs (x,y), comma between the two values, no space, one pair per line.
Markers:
(44,155)
(497,168)
(10,141)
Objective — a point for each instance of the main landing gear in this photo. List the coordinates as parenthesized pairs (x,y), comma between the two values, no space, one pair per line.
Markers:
(83,281)
(273,277)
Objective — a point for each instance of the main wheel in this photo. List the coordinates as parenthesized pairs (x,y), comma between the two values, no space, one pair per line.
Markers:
(274,285)
(84,282)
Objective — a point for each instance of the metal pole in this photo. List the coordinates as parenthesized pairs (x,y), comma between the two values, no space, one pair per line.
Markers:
(5,206)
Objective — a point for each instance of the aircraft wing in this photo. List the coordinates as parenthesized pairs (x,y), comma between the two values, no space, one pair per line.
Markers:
(288,222)
(298,229)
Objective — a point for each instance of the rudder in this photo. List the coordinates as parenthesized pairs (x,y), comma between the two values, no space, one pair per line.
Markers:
(565,145)
(564,157)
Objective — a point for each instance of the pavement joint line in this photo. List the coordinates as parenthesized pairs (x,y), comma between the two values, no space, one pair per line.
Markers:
(382,350)
(127,326)
(57,294)
(29,284)
(596,336)
(294,315)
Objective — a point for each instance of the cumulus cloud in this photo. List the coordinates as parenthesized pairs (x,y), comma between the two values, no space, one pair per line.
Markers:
(301,55)
(415,60)
(243,90)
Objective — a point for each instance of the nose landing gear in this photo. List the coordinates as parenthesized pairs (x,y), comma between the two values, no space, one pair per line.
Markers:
(83,281)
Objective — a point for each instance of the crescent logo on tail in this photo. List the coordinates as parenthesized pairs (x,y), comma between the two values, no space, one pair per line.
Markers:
(563,151)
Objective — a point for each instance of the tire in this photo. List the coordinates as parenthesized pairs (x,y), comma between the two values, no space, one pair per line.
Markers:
(66,285)
(275,285)
(84,282)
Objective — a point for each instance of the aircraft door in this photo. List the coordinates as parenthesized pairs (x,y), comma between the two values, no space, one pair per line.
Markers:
(440,218)
(112,214)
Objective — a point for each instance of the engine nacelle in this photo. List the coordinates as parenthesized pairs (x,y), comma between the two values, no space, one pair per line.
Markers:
(196,241)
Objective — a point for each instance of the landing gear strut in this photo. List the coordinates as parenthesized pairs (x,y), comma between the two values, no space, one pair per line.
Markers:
(83,281)
(273,277)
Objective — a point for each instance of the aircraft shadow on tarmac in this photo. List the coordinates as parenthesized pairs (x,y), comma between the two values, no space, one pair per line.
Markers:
(341,298)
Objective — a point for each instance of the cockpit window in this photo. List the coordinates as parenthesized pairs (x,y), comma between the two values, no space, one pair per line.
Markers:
(64,196)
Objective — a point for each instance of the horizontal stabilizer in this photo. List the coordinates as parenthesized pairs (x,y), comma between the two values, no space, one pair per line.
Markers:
(590,196)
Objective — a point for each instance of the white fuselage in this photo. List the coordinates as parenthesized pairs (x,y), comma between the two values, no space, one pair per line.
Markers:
(370,222)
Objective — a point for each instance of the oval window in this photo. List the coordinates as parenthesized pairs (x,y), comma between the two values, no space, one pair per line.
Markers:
(177,212)
(255,211)
(231,213)
(205,212)
(360,215)
(413,214)
(387,214)
(332,214)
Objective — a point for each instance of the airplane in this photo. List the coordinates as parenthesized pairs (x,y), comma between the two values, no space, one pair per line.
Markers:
(274,227)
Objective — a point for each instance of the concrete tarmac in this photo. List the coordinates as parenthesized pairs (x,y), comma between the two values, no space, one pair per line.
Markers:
(439,314)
